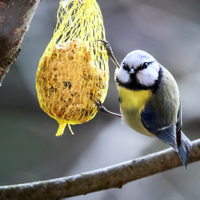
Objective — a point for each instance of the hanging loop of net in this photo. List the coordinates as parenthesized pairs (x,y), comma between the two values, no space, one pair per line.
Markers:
(73,71)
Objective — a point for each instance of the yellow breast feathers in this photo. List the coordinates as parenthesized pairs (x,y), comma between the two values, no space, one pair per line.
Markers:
(135,100)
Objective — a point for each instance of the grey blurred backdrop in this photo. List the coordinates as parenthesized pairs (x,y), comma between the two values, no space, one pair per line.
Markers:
(29,149)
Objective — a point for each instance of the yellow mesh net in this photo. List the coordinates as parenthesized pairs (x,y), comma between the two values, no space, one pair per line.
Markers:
(74,69)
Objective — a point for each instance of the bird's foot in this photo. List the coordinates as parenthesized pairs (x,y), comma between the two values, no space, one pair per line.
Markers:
(102,108)
(109,52)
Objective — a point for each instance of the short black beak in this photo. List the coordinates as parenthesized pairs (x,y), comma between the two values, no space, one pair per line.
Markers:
(131,71)
(110,52)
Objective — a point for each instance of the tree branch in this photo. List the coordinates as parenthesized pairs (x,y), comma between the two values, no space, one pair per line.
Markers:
(15,18)
(111,177)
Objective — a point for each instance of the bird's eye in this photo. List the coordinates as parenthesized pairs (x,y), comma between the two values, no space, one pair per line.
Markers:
(145,64)
(125,67)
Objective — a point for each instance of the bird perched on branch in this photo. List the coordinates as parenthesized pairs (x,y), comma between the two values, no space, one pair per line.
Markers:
(149,99)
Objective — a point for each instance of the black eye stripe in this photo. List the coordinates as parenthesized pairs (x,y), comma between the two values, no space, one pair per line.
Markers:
(143,66)
(125,67)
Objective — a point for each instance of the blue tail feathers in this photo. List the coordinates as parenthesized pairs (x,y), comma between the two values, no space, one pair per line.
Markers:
(185,149)
(168,136)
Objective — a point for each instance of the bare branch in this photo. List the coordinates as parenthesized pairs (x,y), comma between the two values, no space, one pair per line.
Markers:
(111,177)
(15,18)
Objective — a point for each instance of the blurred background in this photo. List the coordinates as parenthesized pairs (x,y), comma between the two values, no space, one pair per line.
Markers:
(30,151)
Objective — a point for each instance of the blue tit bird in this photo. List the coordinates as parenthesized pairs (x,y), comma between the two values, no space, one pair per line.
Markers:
(149,99)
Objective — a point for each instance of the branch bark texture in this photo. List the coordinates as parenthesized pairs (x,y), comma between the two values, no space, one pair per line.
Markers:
(15,18)
(111,177)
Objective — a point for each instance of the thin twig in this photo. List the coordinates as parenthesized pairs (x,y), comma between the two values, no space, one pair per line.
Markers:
(110,177)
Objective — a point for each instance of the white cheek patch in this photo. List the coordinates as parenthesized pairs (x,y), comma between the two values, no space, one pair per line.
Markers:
(122,75)
(149,75)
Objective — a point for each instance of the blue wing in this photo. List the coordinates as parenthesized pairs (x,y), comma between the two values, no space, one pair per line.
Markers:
(153,123)
(167,133)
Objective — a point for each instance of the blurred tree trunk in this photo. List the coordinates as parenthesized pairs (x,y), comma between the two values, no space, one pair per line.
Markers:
(15,18)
